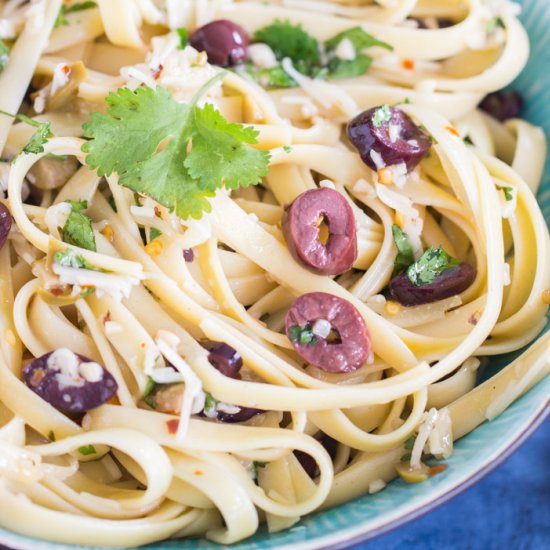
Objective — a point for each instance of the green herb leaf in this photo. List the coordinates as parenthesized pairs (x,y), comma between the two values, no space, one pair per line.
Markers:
(150,385)
(341,68)
(69,258)
(406,457)
(275,77)
(409,444)
(302,335)
(405,255)
(287,148)
(264,317)
(51,436)
(78,229)
(79,6)
(39,138)
(210,403)
(508,193)
(4,55)
(467,140)
(381,115)
(144,137)
(87,450)
(87,292)
(288,40)
(151,401)
(430,265)
(256,466)
(183,35)
(154,233)
(359,38)
(495,23)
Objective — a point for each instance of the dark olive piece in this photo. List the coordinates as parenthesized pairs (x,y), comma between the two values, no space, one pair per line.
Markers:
(5,224)
(502,105)
(387,136)
(302,222)
(69,382)
(245,413)
(225,358)
(188,255)
(225,42)
(450,282)
(347,346)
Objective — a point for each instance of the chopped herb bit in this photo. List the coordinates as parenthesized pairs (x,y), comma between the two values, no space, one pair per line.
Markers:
(405,254)
(87,292)
(210,403)
(78,229)
(409,444)
(126,140)
(51,435)
(256,466)
(150,385)
(87,450)
(275,77)
(406,457)
(69,258)
(287,149)
(39,138)
(154,233)
(151,401)
(302,335)
(359,38)
(264,317)
(343,68)
(79,6)
(4,55)
(467,140)
(183,35)
(407,101)
(381,115)
(508,193)
(495,23)
(430,265)
(288,40)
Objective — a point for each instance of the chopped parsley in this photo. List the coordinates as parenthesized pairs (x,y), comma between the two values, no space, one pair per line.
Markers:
(87,450)
(406,457)
(344,68)
(51,436)
(39,138)
(274,77)
(495,23)
(381,115)
(4,55)
(409,444)
(302,335)
(87,292)
(255,468)
(264,317)
(183,35)
(78,227)
(287,148)
(150,385)
(79,6)
(69,258)
(154,233)
(430,265)
(127,137)
(360,39)
(288,40)
(508,193)
(210,403)
(405,255)
(151,401)
(467,140)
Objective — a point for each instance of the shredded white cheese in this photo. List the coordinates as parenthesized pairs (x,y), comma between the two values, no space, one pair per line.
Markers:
(91,371)
(424,431)
(377,159)
(376,486)
(60,79)
(142,211)
(321,328)
(66,363)
(327,184)
(262,56)
(440,440)
(345,50)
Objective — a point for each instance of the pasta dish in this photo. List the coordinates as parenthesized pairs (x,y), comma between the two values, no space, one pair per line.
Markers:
(254,256)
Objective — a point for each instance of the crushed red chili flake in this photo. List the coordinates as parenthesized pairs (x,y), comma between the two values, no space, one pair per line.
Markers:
(172,425)
(198,472)
(452,131)
(474,318)
(66,69)
(158,213)
(107,316)
(57,290)
(156,72)
(434,470)
(408,64)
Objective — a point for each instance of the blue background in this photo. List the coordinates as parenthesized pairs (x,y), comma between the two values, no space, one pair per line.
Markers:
(507,510)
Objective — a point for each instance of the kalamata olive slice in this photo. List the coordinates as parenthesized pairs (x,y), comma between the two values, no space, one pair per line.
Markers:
(450,282)
(384,136)
(69,382)
(434,23)
(225,358)
(344,347)
(5,224)
(502,105)
(245,413)
(225,42)
(308,462)
(302,222)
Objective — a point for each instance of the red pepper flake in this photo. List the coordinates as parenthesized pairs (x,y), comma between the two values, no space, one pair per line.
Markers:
(158,213)
(37,377)
(172,425)
(156,72)
(435,470)
(66,69)
(107,316)
(474,318)
(57,290)
(198,473)
(408,64)
(452,131)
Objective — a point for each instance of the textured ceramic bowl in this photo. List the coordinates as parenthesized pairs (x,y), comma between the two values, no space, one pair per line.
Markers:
(475,455)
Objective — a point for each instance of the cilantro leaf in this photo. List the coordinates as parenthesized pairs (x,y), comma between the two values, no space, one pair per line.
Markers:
(210,403)
(144,136)
(508,193)
(4,55)
(150,385)
(87,450)
(381,115)
(405,255)
(495,23)
(288,40)
(275,77)
(343,68)
(69,258)
(154,233)
(78,227)
(432,263)
(359,38)
(79,6)
(302,335)
(219,152)
(183,35)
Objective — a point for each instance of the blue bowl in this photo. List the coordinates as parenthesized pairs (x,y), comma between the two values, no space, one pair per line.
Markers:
(475,454)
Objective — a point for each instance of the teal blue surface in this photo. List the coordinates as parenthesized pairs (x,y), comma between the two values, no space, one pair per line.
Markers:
(400,501)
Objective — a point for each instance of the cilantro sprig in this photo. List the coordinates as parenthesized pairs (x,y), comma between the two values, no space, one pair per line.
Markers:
(302,335)
(64,10)
(177,154)
(69,258)
(87,450)
(39,138)
(405,254)
(78,227)
(430,265)
(381,115)
(4,55)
